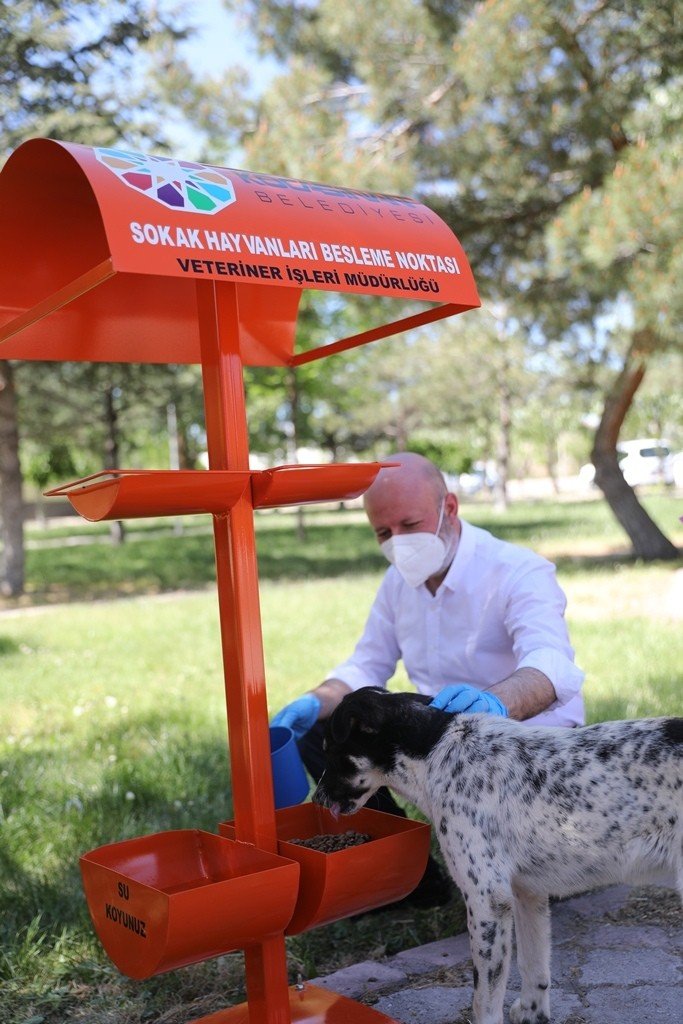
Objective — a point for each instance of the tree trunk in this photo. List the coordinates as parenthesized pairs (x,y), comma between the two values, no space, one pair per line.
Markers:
(11,503)
(647,539)
(551,459)
(500,487)
(111,454)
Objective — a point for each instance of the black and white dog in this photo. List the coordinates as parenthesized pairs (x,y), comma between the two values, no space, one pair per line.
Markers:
(521,813)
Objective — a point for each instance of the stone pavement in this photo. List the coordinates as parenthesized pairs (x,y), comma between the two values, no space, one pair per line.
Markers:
(617,956)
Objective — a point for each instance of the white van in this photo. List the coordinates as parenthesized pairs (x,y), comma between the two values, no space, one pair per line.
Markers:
(647,460)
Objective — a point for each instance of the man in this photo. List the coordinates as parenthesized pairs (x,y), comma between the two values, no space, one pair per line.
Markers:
(479,624)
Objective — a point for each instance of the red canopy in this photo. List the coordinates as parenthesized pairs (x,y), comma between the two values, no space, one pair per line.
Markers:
(100,251)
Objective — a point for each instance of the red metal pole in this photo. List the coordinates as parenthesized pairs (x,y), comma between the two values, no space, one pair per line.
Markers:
(240,619)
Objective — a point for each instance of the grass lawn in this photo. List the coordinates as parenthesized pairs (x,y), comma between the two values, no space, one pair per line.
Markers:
(61,565)
(112,724)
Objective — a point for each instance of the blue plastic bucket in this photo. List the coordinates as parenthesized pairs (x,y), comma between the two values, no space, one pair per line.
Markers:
(290,781)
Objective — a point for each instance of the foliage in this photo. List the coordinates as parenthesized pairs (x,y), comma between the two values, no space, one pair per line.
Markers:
(499,144)
(660,401)
(627,238)
(71,405)
(85,71)
(548,136)
(630,232)
(53,462)
(82,70)
(534,130)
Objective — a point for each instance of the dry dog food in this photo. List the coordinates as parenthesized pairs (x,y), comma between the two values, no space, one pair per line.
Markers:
(333,843)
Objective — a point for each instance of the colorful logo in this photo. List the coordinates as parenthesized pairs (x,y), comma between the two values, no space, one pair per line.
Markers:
(177,184)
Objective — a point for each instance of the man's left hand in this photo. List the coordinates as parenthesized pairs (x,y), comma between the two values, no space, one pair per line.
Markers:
(463,699)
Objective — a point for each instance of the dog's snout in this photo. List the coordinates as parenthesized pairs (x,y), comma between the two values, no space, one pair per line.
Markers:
(323,798)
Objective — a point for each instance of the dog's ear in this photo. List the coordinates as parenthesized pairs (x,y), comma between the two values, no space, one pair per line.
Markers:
(342,722)
(365,710)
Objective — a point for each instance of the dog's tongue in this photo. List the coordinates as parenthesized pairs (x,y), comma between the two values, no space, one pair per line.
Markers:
(335,810)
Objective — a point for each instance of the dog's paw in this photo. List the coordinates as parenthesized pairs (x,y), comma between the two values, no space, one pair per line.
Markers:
(524,1013)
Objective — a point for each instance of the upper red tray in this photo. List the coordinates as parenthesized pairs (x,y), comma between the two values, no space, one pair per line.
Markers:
(300,485)
(140,493)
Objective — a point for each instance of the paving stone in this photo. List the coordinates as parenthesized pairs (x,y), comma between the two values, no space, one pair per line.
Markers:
(628,966)
(644,1003)
(355,981)
(597,904)
(436,1005)
(603,972)
(567,929)
(563,1005)
(444,953)
(643,936)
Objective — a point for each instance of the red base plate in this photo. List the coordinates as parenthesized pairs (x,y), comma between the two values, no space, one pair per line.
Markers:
(310,1005)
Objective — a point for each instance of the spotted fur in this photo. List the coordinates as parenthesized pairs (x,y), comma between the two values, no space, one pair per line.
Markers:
(521,813)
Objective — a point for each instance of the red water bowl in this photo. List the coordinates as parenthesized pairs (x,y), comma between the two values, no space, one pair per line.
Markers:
(336,885)
(142,493)
(303,484)
(171,899)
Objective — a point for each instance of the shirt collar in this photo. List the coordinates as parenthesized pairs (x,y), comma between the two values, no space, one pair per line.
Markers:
(463,556)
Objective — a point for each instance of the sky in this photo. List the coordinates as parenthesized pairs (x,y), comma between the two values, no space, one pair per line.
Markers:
(222,40)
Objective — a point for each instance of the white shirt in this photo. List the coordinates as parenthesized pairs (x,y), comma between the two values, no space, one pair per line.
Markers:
(498,609)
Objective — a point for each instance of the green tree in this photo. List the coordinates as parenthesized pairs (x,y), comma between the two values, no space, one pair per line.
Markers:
(659,409)
(627,236)
(107,415)
(77,70)
(501,116)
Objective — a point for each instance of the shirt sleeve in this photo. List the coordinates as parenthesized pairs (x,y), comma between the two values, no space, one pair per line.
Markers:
(376,655)
(534,617)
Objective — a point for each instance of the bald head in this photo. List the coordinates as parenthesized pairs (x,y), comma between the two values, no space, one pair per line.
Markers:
(413,475)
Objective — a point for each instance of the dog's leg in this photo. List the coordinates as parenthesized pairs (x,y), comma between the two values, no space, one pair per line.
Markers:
(532,931)
(490,930)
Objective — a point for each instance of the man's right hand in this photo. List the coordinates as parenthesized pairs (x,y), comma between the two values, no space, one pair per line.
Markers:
(300,715)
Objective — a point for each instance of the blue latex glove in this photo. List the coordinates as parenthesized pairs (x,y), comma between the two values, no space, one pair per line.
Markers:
(461,699)
(300,715)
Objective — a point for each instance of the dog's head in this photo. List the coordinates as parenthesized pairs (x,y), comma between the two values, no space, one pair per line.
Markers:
(366,735)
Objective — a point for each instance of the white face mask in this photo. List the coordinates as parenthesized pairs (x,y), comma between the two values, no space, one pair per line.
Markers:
(417,556)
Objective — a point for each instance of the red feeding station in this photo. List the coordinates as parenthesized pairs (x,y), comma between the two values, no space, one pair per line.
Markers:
(112,256)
